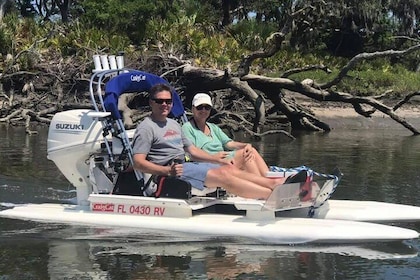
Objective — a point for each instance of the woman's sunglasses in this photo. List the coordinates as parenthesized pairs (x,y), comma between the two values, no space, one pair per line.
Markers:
(160,101)
(205,107)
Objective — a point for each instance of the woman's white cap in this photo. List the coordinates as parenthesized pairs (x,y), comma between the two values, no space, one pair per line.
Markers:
(201,98)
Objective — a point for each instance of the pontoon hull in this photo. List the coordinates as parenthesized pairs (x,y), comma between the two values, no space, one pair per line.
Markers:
(364,211)
(277,231)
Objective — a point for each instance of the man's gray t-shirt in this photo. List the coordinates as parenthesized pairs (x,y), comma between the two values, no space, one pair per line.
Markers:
(160,141)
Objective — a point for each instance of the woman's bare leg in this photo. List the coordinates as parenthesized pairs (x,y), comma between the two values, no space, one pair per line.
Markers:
(222,177)
(254,164)
(237,174)
(242,163)
(263,181)
(262,165)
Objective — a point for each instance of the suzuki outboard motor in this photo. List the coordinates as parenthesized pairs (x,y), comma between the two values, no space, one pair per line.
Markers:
(73,137)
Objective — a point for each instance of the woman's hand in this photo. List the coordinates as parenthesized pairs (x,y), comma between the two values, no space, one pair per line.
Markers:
(248,152)
(221,155)
(222,158)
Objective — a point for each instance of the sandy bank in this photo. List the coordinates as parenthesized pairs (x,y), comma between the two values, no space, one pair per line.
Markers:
(346,116)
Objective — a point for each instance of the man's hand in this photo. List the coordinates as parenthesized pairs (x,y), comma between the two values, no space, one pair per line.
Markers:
(176,170)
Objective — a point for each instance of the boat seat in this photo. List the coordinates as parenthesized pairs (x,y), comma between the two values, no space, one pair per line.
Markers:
(169,187)
(172,187)
(127,184)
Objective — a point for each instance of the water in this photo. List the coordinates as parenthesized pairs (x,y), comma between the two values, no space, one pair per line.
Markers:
(377,165)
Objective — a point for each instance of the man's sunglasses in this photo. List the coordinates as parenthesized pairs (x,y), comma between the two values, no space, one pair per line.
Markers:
(205,107)
(160,101)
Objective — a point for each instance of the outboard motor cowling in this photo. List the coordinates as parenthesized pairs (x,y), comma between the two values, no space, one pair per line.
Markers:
(73,136)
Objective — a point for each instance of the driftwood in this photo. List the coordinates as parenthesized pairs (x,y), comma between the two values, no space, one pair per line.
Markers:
(257,104)
(275,90)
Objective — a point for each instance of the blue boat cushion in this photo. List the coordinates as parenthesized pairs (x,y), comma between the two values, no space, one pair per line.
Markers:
(136,81)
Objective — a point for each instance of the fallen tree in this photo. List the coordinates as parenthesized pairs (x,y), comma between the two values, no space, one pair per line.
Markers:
(244,101)
(257,88)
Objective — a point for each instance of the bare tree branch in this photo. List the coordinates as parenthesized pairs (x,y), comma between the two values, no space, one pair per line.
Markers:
(364,56)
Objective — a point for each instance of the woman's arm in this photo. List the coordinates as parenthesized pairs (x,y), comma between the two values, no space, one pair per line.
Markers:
(235,145)
(200,155)
(189,132)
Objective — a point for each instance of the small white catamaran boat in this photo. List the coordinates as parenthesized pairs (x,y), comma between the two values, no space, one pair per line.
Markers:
(92,149)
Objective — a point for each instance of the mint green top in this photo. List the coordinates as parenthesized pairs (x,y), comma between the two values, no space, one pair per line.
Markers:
(214,143)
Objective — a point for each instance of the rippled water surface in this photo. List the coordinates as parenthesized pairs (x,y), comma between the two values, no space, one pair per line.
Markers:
(378,164)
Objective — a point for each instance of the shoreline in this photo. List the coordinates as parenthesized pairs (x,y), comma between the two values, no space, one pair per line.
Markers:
(341,115)
(348,111)
(344,116)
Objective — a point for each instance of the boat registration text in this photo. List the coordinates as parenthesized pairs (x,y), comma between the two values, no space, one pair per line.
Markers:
(145,210)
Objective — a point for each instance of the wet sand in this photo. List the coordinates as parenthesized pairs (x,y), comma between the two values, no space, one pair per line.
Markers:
(346,116)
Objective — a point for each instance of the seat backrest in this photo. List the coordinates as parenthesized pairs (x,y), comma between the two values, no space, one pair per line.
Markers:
(136,81)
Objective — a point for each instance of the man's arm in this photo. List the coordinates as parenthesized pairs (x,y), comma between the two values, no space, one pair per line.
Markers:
(142,164)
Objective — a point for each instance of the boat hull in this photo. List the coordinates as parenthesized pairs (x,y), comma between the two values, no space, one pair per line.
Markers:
(372,211)
(277,231)
(367,211)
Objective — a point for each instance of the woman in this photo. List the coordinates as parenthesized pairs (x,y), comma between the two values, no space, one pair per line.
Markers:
(212,139)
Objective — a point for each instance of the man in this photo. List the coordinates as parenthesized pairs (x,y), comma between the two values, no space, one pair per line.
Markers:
(158,141)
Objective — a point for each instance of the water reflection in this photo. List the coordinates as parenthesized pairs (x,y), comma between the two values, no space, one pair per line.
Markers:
(52,251)
(208,260)
(377,165)
(23,156)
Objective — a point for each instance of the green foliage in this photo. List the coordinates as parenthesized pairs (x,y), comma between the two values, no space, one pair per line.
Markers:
(127,17)
(381,79)
(7,34)
(373,78)
(204,11)
(18,35)
(195,40)
(77,40)
(251,35)
(191,28)
(16,32)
